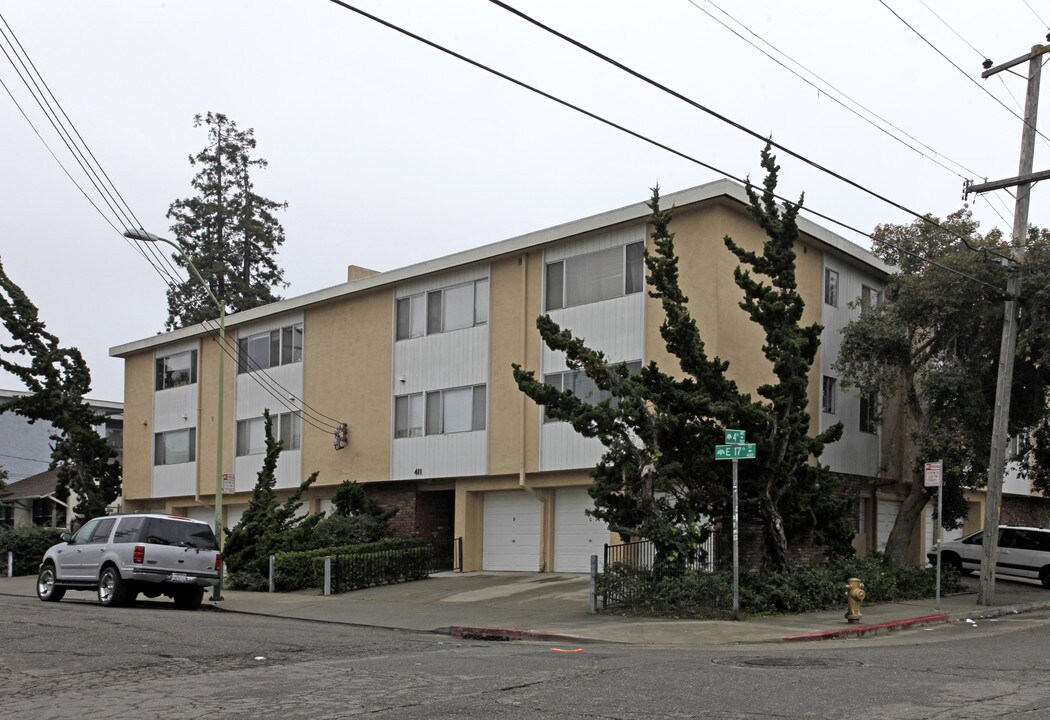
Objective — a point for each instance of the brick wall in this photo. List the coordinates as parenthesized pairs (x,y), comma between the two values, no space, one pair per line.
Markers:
(1028,511)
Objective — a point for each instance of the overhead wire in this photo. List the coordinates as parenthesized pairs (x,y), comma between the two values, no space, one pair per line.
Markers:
(656,143)
(121,211)
(963,72)
(731,123)
(1036,14)
(824,91)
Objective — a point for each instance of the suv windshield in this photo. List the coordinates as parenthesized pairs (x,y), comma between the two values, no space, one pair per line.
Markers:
(163,531)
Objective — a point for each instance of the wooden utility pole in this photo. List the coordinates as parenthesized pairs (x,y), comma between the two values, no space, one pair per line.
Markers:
(1024,181)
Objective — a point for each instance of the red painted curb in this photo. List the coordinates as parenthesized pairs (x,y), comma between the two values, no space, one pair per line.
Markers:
(861,630)
(483,632)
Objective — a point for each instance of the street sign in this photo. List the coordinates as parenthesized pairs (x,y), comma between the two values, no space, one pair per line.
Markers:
(735,452)
(228,484)
(735,437)
(933,473)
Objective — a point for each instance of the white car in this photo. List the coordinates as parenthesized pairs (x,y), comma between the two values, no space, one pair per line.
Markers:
(120,556)
(1023,552)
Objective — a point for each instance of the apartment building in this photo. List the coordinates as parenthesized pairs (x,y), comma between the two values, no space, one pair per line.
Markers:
(417,362)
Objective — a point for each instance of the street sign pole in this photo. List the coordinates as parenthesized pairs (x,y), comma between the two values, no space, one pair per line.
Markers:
(736,542)
(933,475)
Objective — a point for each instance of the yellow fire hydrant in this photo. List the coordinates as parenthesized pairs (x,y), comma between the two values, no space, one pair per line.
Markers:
(854,596)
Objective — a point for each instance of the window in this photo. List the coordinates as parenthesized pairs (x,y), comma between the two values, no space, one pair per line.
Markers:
(595,276)
(7,515)
(447,309)
(408,416)
(251,434)
(83,535)
(869,296)
(115,433)
(270,349)
(583,387)
(455,410)
(410,317)
(869,413)
(831,287)
(175,446)
(828,398)
(130,530)
(44,512)
(176,370)
(100,535)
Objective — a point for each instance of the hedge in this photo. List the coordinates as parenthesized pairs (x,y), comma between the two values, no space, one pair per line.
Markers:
(28,543)
(306,569)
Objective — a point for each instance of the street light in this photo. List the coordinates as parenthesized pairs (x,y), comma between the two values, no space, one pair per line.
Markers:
(144,236)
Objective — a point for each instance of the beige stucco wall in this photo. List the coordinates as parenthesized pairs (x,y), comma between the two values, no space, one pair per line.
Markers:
(138,426)
(208,384)
(347,360)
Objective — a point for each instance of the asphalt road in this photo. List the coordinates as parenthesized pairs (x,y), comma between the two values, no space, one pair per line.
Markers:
(75,659)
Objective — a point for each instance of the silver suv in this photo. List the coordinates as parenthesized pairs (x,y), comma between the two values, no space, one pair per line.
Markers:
(120,556)
(1023,552)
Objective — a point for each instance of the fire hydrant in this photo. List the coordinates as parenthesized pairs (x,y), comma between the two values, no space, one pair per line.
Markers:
(854,596)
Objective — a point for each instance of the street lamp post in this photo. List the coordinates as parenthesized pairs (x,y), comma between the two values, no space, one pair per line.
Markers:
(144,236)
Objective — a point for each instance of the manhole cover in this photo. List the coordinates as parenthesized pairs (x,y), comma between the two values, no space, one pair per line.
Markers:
(783,662)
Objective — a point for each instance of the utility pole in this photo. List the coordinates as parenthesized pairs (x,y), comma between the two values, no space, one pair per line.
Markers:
(1024,181)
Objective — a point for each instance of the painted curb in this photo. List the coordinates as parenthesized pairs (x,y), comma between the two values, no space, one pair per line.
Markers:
(862,630)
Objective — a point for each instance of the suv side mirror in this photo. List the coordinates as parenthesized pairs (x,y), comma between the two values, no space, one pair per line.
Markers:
(65,537)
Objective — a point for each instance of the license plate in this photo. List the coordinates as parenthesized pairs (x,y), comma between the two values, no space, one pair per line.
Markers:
(180,577)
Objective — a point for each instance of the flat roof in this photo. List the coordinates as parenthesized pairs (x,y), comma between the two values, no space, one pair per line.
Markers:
(637,211)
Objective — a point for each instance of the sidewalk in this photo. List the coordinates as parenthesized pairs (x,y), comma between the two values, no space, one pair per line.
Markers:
(553,607)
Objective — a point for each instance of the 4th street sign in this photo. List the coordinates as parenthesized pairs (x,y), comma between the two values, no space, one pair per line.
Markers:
(735,452)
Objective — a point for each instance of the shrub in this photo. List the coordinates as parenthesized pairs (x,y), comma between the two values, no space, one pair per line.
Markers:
(305,569)
(338,530)
(819,587)
(28,543)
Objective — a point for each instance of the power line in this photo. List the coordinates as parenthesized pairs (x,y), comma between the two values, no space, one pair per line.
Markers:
(837,90)
(963,72)
(945,23)
(1035,13)
(723,118)
(656,143)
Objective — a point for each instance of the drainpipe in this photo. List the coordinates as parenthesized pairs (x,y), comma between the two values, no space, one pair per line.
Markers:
(543,498)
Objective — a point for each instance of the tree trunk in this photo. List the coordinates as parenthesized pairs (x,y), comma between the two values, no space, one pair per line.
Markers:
(773,524)
(899,542)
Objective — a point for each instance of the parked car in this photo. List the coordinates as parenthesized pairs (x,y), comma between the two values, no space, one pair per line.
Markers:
(1023,552)
(120,556)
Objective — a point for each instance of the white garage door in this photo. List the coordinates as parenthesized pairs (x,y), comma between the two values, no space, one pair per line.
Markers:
(511,539)
(887,516)
(576,535)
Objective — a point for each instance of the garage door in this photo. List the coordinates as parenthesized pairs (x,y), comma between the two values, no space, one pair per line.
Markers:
(511,539)
(887,510)
(576,535)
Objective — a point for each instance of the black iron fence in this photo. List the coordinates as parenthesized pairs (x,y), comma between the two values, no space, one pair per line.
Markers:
(383,567)
(631,572)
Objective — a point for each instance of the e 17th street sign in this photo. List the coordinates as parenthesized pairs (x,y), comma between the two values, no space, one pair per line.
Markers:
(735,452)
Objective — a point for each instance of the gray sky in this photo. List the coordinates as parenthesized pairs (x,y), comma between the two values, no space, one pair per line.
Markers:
(389,152)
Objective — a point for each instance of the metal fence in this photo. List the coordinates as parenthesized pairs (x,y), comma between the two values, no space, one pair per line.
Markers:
(630,572)
(360,570)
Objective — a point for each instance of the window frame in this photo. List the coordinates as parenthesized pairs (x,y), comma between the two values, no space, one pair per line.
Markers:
(868,411)
(435,408)
(162,373)
(407,401)
(160,458)
(831,287)
(287,431)
(829,395)
(556,275)
(870,296)
(634,367)
(284,346)
(432,308)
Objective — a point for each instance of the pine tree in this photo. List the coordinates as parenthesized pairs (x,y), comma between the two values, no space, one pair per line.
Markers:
(796,497)
(229,231)
(657,478)
(58,379)
(267,526)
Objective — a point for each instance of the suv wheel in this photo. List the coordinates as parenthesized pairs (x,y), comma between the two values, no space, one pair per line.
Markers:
(1044,577)
(46,589)
(111,590)
(189,598)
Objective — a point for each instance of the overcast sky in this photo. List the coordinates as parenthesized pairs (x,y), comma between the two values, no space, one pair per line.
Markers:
(390,152)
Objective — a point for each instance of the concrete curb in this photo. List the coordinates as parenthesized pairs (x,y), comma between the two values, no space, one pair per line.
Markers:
(484,632)
(994,612)
(862,630)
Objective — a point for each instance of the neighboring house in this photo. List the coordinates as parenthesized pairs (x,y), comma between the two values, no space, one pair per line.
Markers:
(417,361)
(25,452)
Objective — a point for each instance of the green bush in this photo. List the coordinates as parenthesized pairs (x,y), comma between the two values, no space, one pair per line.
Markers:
(28,543)
(305,569)
(799,590)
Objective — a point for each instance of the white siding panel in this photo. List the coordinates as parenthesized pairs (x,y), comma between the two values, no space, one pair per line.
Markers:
(577,536)
(887,515)
(856,453)
(435,456)
(246,470)
(1013,482)
(613,326)
(174,480)
(603,241)
(234,513)
(511,537)
(441,361)
(449,279)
